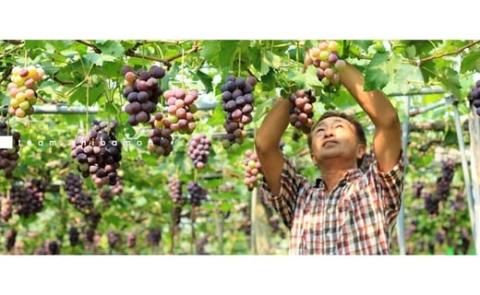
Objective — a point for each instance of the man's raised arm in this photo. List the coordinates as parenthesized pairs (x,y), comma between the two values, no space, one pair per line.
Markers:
(387,142)
(267,142)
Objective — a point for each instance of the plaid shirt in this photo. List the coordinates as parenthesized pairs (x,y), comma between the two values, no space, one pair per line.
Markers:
(356,218)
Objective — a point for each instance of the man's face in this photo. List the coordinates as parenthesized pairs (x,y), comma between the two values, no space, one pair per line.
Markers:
(335,137)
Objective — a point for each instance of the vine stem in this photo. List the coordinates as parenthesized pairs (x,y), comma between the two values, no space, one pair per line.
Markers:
(182,69)
(25,57)
(239,62)
(435,56)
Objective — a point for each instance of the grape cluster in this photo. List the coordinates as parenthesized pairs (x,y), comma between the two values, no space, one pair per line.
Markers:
(237,101)
(198,150)
(154,236)
(28,200)
(48,248)
(22,90)
(246,223)
(142,92)
(52,247)
(90,234)
(252,169)
(80,200)
(160,141)
(474,97)
(465,240)
(10,238)
(113,239)
(197,194)
(107,194)
(181,108)
(431,203)
(92,220)
(458,203)
(417,189)
(131,240)
(175,187)
(6,209)
(441,236)
(325,59)
(9,157)
(301,113)
(444,181)
(73,236)
(200,245)
(99,153)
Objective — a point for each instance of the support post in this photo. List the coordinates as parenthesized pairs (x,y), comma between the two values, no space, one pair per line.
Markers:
(401,214)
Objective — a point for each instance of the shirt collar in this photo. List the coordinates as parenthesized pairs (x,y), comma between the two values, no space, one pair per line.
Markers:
(349,176)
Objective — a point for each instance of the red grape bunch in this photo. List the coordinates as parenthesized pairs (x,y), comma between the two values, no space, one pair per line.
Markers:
(444,181)
(246,222)
(237,101)
(301,113)
(99,153)
(252,169)
(474,97)
(113,239)
(160,141)
(28,200)
(181,108)
(6,208)
(80,200)
(458,204)
(131,240)
(10,238)
(198,150)
(107,194)
(9,157)
(175,188)
(92,219)
(154,237)
(22,90)
(142,92)
(325,58)
(197,194)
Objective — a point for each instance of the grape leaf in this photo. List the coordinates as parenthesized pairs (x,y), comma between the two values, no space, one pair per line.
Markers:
(471,62)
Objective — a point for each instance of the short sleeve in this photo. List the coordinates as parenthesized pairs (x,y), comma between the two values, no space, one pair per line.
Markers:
(391,184)
(291,185)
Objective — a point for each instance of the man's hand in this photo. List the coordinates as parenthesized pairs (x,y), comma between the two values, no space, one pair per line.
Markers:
(387,141)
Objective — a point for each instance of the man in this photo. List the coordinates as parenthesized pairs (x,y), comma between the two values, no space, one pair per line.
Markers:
(348,211)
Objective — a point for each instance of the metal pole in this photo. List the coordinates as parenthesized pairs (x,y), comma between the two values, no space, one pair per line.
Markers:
(466,173)
(253,221)
(63,109)
(474,123)
(417,111)
(202,105)
(422,91)
(401,214)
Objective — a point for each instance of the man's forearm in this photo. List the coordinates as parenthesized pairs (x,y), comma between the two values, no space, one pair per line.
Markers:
(273,126)
(374,103)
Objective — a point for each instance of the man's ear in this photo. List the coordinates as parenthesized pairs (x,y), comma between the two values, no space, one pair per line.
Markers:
(361,151)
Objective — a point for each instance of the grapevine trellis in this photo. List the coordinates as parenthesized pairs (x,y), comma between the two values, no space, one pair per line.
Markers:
(258,230)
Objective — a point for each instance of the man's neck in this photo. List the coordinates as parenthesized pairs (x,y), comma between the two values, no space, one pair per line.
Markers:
(332,174)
